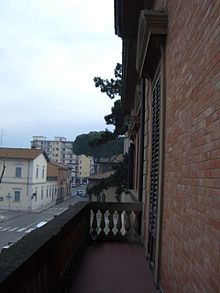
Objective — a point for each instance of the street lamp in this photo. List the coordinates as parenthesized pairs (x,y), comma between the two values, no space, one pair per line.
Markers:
(9,200)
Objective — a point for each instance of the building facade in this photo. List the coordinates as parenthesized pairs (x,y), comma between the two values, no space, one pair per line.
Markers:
(58,150)
(85,168)
(171,85)
(59,176)
(23,179)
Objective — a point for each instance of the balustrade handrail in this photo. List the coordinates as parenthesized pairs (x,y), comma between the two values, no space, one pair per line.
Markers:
(125,206)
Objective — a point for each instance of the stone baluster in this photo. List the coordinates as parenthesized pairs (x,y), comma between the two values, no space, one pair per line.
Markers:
(136,222)
(94,223)
(127,222)
(111,222)
(102,223)
(119,223)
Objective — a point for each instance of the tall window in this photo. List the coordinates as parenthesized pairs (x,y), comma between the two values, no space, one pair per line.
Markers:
(42,192)
(37,171)
(17,195)
(18,172)
(43,173)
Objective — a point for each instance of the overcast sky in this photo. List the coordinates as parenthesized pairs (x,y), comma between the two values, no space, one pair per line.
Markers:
(50,50)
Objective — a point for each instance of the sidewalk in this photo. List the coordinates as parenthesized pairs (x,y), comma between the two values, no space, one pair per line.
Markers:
(38,210)
(50,205)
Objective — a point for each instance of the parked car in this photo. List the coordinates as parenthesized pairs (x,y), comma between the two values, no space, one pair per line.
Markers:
(42,223)
(78,192)
(83,194)
(9,244)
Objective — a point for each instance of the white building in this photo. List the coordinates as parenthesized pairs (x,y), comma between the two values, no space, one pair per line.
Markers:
(23,184)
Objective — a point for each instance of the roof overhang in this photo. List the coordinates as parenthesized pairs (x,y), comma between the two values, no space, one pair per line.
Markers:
(126,26)
(152,30)
(127,14)
(130,76)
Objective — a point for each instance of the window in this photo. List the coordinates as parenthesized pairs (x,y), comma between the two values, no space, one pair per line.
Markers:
(42,193)
(17,195)
(43,173)
(1,198)
(18,172)
(37,171)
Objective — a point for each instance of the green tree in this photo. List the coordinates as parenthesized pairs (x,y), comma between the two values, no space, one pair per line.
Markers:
(112,88)
(117,179)
(88,144)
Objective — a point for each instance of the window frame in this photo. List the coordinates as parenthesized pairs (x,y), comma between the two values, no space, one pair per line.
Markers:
(18,172)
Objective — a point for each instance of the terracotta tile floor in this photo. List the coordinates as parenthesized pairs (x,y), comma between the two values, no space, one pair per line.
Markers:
(113,268)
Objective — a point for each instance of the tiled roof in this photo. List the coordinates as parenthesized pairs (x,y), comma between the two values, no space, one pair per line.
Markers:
(60,166)
(101,175)
(112,159)
(20,153)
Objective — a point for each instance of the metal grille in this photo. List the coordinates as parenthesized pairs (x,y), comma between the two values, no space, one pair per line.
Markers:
(154,166)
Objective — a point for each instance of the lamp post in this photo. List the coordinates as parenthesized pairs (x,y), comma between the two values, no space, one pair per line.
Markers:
(9,200)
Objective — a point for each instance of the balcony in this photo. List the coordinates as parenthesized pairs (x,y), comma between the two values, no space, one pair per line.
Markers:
(92,247)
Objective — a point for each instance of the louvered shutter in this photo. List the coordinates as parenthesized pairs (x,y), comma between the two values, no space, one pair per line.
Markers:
(154,168)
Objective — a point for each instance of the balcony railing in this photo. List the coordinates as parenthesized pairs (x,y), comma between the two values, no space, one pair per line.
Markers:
(44,260)
(115,221)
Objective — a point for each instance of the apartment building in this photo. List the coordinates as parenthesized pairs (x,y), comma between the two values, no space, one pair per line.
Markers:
(58,150)
(85,168)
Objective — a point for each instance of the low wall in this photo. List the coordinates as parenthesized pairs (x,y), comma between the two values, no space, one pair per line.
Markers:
(43,260)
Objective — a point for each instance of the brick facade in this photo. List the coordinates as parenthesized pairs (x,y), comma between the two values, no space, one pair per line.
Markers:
(190,254)
(188,212)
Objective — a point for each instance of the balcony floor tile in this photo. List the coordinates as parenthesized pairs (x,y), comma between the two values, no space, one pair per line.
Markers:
(113,268)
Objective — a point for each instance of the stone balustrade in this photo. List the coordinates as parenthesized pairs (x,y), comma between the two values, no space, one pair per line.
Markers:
(115,221)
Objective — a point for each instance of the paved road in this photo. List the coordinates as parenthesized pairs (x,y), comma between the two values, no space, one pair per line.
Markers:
(17,224)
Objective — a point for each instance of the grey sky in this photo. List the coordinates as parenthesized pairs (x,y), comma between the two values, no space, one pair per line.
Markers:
(50,50)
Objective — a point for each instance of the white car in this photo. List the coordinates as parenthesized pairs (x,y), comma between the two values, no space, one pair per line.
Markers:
(9,244)
(42,223)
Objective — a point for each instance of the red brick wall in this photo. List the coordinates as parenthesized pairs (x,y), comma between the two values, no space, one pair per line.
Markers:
(191,215)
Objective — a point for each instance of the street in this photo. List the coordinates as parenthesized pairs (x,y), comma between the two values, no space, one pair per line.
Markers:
(16,224)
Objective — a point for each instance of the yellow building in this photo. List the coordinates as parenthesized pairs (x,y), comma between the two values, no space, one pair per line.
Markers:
(85,168)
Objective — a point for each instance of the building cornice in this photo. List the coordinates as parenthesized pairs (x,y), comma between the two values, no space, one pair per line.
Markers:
(152,31)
